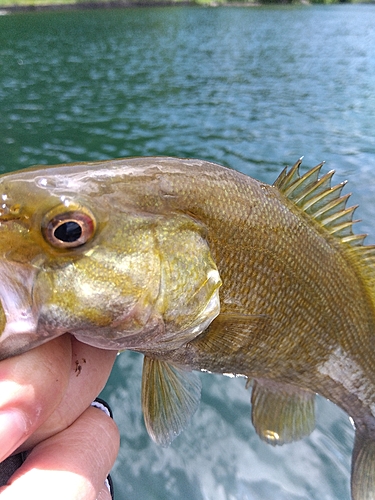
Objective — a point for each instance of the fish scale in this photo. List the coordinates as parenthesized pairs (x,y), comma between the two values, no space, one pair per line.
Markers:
(199,267)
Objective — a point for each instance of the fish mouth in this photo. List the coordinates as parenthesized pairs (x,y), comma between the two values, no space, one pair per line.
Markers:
(18,311)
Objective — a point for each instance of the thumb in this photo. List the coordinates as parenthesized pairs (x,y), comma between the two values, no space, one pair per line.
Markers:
(31,387)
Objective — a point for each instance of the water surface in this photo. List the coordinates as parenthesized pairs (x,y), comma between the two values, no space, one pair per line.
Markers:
(252,88)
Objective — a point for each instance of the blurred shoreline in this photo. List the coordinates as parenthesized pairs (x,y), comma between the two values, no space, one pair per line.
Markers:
(116,4)
(41,5)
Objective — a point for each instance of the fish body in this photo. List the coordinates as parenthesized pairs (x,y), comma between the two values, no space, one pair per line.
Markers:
(199,267)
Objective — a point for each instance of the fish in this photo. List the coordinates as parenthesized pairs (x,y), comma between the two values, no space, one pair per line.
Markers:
(200,268)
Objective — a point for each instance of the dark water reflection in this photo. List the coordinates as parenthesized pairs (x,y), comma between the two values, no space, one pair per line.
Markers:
(250,88)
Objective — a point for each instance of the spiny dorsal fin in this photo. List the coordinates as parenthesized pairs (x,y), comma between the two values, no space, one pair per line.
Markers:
(325,204)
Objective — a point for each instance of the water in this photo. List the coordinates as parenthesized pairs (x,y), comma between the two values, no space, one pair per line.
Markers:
(252,88)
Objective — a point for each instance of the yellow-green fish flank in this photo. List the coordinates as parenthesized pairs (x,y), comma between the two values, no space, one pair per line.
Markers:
(199,267)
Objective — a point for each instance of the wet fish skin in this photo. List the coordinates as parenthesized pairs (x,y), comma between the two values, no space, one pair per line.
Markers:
(296,301)
(106,292)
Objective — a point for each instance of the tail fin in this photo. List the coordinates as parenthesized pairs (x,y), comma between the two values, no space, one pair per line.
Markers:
(363,467)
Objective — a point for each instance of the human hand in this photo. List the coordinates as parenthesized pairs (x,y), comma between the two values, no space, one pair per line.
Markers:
(45,397)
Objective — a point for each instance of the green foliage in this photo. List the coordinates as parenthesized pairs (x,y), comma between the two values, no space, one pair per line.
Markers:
(76,3)
(213,3)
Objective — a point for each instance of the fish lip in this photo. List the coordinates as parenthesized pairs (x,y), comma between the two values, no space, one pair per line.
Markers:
(20,313)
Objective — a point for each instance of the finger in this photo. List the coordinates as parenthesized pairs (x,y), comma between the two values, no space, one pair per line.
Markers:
(89,370)
(72,464)
(31,387)
(104,494)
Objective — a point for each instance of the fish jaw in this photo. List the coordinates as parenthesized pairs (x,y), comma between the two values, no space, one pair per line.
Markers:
(19,310)
(21,260)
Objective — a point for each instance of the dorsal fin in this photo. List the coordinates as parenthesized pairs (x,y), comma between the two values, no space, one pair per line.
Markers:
(324,203)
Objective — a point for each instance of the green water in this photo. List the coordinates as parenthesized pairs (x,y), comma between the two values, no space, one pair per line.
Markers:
(254,89)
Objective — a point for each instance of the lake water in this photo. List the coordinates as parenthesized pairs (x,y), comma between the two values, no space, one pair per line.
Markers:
(251,88)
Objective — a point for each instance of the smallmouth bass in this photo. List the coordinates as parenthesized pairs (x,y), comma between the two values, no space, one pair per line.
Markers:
(199,267)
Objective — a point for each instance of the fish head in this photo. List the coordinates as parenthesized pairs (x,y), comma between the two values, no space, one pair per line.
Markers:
(78,256)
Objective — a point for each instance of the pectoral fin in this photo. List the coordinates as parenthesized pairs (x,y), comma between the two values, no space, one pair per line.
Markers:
(170,397)
(363,467)
(231,335)
(281,413)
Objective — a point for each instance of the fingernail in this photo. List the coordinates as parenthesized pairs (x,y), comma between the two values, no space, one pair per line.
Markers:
(13,430)
(109,484)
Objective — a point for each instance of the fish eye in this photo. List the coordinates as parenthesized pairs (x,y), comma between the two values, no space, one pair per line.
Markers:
(69,229)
